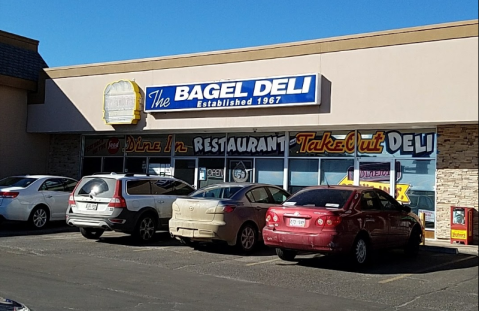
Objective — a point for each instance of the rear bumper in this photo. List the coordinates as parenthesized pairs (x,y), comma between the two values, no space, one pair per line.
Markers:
(323,242)
(14,210)
(122,222)
(202,231)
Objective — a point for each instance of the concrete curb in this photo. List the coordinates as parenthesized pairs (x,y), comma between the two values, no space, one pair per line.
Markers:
(473,250)
(438,249)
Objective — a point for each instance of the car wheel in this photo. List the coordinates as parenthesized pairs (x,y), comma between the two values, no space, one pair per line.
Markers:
(91,233)
(415,239)
(39,217)
(145,229)
(285,254)
(360,252)
(247,239)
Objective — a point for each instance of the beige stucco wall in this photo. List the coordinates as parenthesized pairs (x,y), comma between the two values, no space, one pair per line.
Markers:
(20,152)
(417,84)
(457,174)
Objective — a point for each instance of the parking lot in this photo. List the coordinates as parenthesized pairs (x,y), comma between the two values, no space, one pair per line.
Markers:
(57,269)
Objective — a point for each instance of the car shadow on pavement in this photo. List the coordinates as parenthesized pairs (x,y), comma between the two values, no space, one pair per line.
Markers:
(224,249)
(391,262)
(11,228)
(161,239)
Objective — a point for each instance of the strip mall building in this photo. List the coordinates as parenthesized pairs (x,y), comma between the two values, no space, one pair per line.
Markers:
(395,109)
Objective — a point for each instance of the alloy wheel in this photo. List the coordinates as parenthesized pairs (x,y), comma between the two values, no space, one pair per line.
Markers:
(248,237)
(147,229)
(39,218)
(361,251)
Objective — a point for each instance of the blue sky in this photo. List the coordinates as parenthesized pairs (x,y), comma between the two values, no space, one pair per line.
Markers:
(75,32)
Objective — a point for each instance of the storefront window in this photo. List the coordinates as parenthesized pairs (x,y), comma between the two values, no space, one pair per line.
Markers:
(211,171)
(270,171)
(240,170)
(416,187)
(303,173)
(336,172)
(159,166)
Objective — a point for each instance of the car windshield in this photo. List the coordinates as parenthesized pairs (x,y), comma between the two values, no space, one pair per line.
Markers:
(22,182)
(329,198)
(216,192)
(98,187)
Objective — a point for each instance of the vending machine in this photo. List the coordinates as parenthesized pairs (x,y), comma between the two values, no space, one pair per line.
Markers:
(461,225)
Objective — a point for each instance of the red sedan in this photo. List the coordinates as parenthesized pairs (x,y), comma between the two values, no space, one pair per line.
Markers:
(350,220)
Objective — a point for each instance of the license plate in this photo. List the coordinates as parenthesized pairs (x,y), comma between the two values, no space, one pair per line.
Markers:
(297,222)
(91,206)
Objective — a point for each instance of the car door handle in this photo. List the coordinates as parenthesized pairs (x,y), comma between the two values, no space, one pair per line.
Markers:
(370,219)
(49,196)
(159,201)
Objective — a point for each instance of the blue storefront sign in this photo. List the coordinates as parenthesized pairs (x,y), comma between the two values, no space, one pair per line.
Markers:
(231,94)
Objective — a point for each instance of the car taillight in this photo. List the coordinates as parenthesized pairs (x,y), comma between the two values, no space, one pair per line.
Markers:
(229,208)
(71,200)
(117,200)
(329,221)
(9,195)
(271,219)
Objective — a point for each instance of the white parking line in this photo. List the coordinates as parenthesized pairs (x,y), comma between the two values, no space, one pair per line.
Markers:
(262,262)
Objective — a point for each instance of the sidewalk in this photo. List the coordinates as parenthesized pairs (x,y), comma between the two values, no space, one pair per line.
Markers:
(445,246)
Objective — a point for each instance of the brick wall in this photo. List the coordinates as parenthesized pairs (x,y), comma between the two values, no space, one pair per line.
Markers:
(65,155)
(457,174)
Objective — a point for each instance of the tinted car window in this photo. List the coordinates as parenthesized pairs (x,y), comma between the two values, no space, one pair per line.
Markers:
(52,185)
(100,187)
(217,192)
(333,198)
(258,195)
(182,188)
(163,186)
(138,187)
(386,201)
(69,184)
(370,201)
(16,182)
(279,196)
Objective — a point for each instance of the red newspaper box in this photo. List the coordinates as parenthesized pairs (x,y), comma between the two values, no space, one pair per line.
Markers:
(461,224)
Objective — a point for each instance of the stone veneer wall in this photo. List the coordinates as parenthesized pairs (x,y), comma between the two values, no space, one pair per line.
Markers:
(65,155)
(456,175)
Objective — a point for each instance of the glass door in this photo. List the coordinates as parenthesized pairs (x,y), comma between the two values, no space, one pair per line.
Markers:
(377,173)
(186,169)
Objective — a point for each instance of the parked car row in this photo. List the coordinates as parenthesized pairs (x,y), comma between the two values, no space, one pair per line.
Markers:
(347,220)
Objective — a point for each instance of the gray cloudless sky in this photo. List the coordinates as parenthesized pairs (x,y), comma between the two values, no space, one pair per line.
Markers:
(75,32)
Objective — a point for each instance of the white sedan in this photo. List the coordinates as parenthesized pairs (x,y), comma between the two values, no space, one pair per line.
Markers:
(37,199)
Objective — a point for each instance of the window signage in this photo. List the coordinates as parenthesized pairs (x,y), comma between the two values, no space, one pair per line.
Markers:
(231,94)
(384,143)
(121,103)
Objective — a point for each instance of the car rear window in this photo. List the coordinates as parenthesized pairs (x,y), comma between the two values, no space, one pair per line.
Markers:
(22,182)
(329,198)
(217,192)
(99,187)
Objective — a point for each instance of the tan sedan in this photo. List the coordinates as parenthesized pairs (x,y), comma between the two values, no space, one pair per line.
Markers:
(230,212)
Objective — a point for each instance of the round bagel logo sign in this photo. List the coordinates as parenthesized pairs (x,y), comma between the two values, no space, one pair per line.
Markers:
(113,145)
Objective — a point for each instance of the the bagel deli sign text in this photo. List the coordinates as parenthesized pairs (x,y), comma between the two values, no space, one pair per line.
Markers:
(231,94)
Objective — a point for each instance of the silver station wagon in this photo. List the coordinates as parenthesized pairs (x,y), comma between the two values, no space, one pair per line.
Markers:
(130,203)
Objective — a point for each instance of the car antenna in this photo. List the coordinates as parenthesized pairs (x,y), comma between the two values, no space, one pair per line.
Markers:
(326,179)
